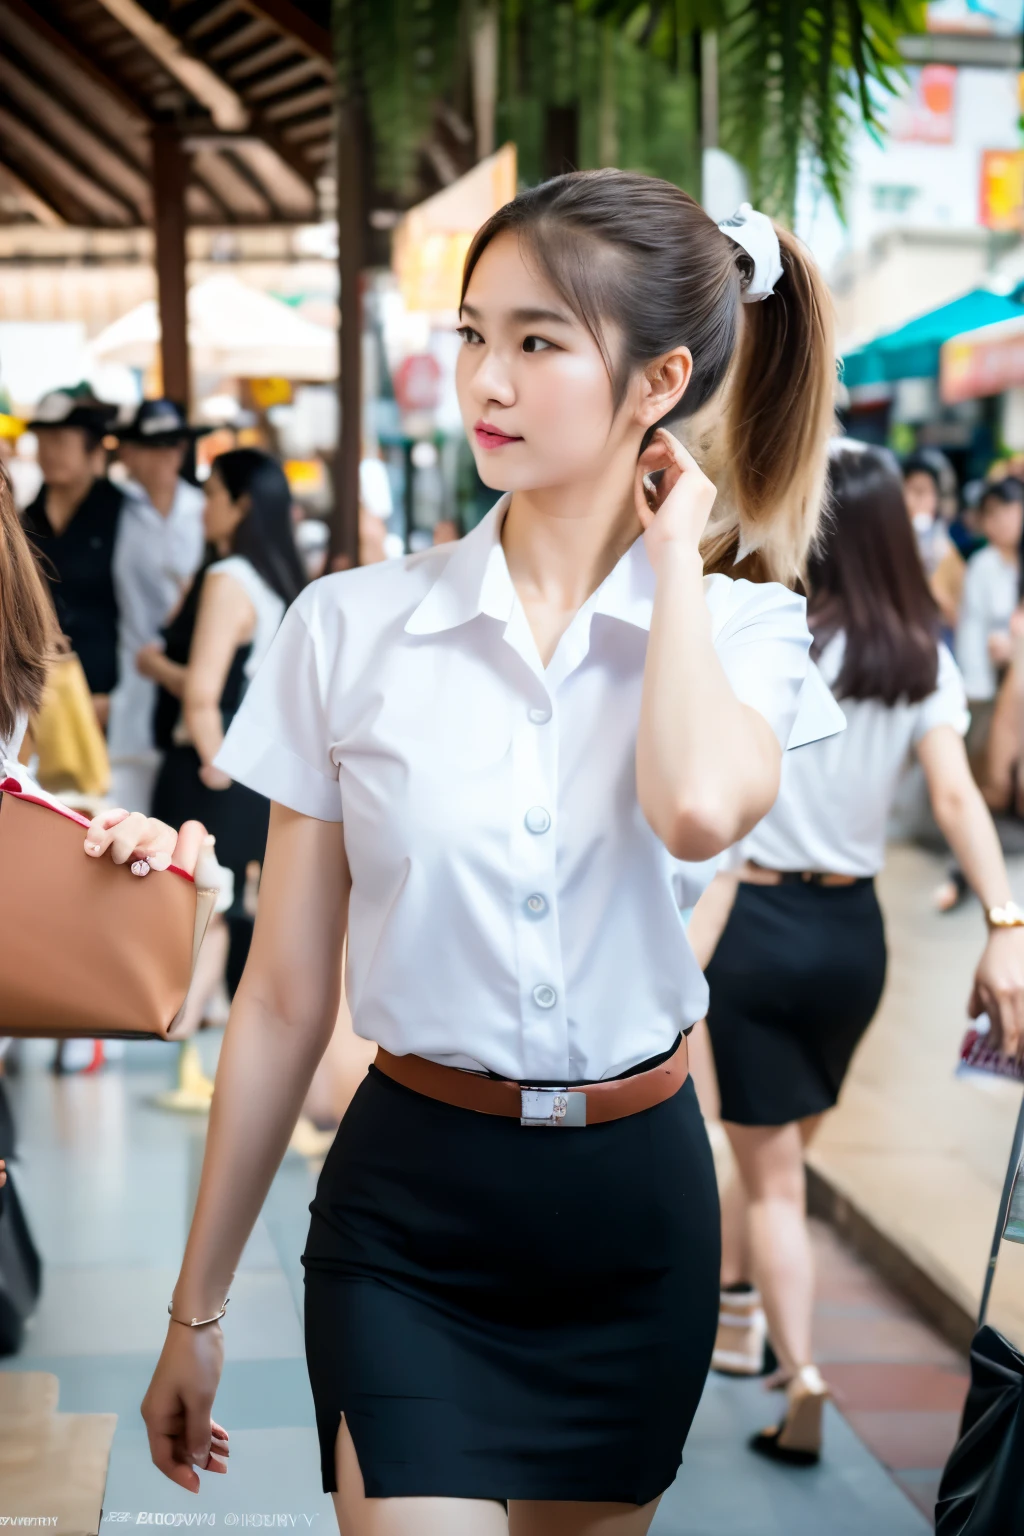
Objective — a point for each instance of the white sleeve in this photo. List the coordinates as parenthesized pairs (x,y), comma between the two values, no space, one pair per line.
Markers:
(972,633)
(764,645)
(948,704)
(279,742)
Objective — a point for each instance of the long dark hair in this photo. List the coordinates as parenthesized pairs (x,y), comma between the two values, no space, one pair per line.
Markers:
(641,254)
(867,582)
(28,625)
(264,536)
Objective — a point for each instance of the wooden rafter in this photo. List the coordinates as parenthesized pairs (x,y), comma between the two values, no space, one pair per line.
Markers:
(316,40)
(41,207)
(59,166)
(55,193)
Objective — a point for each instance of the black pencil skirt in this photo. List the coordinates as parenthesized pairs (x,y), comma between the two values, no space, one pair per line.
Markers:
(795,982)
(510,1312)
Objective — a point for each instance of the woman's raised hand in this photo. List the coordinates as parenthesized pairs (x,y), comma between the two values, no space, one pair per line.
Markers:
(674,513)
(150,844)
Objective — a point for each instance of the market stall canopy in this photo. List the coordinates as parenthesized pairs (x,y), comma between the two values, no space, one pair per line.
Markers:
(912,351)
(234,331)
(246,87)
(431,242)
(983,362)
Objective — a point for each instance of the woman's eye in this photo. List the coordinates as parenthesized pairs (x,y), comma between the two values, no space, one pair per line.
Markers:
(535,344)
(467,334)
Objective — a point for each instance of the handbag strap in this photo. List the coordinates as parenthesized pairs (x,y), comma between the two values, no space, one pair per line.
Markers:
(1004,1208)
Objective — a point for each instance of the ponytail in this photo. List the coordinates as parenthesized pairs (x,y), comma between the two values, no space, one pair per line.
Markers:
(779,415)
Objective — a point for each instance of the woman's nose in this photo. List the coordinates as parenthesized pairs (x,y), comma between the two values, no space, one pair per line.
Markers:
(493,381)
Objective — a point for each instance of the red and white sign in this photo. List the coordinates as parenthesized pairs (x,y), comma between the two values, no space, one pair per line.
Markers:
(418,383)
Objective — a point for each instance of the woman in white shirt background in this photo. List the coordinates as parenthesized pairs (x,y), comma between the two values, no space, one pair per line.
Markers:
(799,969)
(210,650)
(485,761)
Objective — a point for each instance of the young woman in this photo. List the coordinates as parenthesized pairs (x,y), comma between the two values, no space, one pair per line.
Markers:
(485,761)
(211,649)
(798,972)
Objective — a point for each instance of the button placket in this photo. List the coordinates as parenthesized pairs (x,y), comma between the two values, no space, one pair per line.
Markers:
(534,856)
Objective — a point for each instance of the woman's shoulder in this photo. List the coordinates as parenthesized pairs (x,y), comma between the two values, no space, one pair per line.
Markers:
(373,598)
(735,603)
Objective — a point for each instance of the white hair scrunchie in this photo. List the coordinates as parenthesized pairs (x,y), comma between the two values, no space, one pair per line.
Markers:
(755,233)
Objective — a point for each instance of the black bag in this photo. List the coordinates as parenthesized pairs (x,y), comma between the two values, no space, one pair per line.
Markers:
(982,1487)
(20,1266)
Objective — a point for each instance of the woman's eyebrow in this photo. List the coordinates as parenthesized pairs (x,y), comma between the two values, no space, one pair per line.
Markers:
(529,316)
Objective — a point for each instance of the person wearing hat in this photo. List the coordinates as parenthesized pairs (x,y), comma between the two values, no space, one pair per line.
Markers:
(159,549)
(73,522)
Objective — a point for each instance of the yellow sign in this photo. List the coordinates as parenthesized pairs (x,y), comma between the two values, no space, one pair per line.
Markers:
(1002,189)
(431,242)
(268,392)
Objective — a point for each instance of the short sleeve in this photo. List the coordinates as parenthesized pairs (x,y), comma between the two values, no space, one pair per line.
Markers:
(948,704)
(763,643)
(278,743)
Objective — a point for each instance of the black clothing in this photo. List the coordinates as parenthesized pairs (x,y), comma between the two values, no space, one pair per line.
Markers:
(238,817)
(795,982)
(79,566)
(507,1312)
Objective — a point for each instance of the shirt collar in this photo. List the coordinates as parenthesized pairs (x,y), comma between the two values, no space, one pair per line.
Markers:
(476,580)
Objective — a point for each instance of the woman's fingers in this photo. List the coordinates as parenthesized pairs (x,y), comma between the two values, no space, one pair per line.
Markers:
(189,846)
(96,839)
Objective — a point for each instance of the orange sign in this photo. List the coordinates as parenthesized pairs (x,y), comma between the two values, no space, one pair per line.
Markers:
(985,362)
(926,113)
(1002,189)
(431,242)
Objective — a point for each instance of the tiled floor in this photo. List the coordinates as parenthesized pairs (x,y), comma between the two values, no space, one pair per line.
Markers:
(109,1181)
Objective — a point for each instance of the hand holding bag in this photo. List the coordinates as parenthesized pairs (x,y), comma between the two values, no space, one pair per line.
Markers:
(86,947)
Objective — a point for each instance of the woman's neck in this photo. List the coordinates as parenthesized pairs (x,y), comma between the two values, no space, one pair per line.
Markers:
(559,545)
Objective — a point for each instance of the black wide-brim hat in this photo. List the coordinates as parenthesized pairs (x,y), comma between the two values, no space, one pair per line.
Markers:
(159,424)
(72,408)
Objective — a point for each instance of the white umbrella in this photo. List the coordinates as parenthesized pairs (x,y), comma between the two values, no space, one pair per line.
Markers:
(233,331)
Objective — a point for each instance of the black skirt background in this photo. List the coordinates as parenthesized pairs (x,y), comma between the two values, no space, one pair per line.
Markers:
(795,981)
(510,1312)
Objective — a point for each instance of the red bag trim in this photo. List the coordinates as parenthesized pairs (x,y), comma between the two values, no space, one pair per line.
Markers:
(12,787)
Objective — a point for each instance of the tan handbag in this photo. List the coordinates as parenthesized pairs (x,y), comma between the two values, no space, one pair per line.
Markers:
(86,947)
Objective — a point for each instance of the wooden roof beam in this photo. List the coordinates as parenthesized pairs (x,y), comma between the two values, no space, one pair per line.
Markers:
(38,203)
(224,105)
(72,52)
(67,206)
(288,18)
(104,206)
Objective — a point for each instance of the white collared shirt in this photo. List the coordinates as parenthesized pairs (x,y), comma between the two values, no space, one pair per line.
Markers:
(155,557)
(511,908)
(835,795)
(990,594)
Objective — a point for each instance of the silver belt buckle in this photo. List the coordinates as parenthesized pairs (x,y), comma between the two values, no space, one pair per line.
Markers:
(552,1106)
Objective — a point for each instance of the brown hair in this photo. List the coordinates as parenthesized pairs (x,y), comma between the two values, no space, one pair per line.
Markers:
(642,254)
(868,584)
(28,626)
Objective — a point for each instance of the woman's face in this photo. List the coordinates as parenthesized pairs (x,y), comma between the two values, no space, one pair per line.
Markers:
(534,392)
(221,515)
(1002,522)
(922,497)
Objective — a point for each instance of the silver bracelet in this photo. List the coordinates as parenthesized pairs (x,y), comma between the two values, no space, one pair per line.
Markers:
(198,1322)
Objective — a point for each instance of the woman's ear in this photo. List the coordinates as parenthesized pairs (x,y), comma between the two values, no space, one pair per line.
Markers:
(663,384)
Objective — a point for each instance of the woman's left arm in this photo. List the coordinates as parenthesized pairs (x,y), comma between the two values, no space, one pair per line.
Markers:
(707,765)
(226,620)
(966,823)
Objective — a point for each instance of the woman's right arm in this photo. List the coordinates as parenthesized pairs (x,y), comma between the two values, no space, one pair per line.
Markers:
(281,1021)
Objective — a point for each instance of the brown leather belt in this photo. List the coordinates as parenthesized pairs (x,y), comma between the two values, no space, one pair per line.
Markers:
(753,873)
(574,1105)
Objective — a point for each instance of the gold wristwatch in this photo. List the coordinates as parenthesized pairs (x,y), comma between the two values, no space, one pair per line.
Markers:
(1007,916)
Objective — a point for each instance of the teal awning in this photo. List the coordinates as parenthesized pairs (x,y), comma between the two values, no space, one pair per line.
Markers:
(912,352)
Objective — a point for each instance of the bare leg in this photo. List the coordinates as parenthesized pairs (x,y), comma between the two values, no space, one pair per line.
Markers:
(360,1516)
(529,1517)
(209,972)
(770,1160)
(736,1261)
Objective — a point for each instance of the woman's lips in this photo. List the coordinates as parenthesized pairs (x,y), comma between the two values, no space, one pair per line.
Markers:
(492,437)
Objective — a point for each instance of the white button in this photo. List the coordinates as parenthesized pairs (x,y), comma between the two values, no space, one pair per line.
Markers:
(537,819)
(536,905)
(540,716)
(545,996)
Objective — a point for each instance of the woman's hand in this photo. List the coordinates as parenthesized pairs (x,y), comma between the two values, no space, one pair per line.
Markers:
(674,513)
(999,989)
(214,778)
(148,659)
(150,844)
(177,1407)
